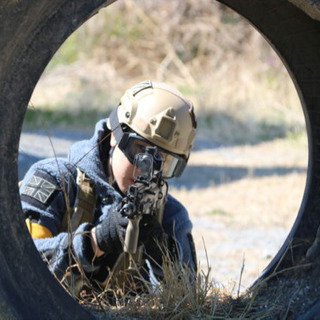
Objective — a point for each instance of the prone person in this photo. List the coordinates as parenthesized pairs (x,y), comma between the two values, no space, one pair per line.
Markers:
(75,207)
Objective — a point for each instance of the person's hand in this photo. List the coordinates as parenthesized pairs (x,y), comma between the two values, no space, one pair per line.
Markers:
(110,233)
(152,235)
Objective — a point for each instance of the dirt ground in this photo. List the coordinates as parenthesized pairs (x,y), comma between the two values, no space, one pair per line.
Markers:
(242,200)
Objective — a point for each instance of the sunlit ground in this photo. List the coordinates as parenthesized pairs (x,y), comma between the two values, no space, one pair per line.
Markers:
(243,202)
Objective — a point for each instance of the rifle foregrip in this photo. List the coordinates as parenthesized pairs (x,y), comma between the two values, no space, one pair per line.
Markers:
(132,235)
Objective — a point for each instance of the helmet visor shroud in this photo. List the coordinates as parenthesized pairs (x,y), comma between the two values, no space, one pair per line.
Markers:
(160,116)
(132,144)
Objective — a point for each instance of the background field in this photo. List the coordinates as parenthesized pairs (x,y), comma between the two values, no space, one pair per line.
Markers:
(246,177)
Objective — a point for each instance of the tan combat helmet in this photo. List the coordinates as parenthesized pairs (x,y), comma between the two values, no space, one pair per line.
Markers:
(158,113)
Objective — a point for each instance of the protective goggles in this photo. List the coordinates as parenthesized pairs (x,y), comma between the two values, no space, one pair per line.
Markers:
(132,144)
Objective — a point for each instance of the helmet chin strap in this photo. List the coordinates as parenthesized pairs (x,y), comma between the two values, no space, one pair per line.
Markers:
(111,180)
(115,126)
(110,171)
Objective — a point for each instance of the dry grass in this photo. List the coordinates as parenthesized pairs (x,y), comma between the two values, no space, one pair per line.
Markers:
(234,78)
(174,298)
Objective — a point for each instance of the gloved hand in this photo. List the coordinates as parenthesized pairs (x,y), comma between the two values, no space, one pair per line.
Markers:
(152,235)
(111,231)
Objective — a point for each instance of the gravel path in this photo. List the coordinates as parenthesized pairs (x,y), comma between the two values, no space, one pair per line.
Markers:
(35,145)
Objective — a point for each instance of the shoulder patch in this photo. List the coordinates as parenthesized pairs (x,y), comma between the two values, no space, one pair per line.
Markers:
(39,188)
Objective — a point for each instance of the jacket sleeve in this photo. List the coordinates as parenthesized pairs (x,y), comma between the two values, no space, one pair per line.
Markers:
(67,249)
(177,224)
(46,193)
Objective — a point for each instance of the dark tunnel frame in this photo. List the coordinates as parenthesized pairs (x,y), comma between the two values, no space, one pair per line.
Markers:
(30,33)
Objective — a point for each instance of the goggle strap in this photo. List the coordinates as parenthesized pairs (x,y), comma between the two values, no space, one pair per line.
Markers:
(115,125)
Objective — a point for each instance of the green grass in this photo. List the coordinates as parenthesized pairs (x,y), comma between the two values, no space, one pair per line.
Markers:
(63,118)
(218,212)
(68,53)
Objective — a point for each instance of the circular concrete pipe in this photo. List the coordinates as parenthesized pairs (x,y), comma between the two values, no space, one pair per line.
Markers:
(30,33)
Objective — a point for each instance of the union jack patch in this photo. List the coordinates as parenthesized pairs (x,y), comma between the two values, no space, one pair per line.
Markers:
(39,189)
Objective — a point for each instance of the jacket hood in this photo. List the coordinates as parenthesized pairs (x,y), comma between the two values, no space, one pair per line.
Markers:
(92,155)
